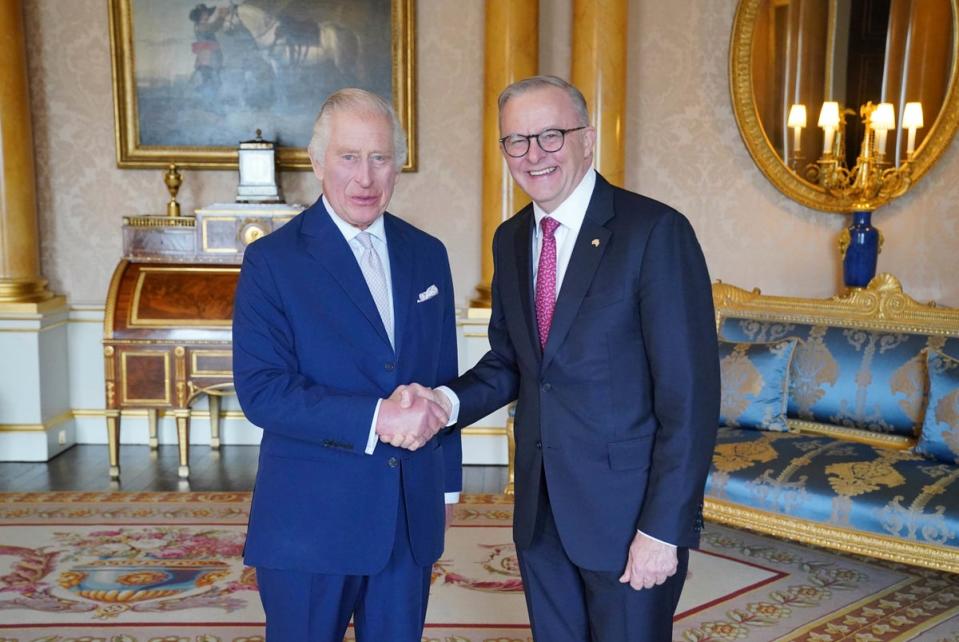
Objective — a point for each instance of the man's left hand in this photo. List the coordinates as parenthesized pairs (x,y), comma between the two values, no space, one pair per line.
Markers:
(650,563)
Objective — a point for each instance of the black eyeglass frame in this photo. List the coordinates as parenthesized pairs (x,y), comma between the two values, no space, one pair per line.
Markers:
(529,137)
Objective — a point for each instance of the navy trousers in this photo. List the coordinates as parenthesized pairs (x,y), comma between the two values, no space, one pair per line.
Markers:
(567,603)
(309,607)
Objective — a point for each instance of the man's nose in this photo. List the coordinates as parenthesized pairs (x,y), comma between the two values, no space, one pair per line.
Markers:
(364,175)
(535,152)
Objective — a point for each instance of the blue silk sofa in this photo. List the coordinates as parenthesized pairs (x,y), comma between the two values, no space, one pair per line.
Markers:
(841,468)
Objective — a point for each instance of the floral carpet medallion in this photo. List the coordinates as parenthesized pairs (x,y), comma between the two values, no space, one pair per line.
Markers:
(167,567)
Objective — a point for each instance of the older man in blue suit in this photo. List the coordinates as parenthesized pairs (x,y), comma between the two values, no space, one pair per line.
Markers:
(602,327)
(333,312)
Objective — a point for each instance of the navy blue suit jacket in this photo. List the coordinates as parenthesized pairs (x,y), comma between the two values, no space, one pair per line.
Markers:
(622,406)
(311,358)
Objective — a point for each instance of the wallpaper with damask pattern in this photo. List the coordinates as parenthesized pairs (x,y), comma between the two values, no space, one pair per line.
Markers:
(683,148)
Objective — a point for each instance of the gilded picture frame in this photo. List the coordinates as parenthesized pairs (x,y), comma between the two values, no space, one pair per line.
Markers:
(191,80)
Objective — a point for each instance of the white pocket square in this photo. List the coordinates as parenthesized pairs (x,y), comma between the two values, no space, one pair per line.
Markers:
(427,294)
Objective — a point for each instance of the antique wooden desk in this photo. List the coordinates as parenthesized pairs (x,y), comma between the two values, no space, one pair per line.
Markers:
(167,328)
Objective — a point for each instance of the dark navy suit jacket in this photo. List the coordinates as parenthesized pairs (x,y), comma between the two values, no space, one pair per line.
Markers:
(621,408)
(311,359)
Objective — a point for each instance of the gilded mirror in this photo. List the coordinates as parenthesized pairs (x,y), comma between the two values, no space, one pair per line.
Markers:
(808,78)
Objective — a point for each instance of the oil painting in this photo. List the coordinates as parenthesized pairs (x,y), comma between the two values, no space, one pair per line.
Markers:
(192,80)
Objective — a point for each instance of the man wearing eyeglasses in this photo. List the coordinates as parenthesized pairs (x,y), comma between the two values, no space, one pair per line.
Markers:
(602,327)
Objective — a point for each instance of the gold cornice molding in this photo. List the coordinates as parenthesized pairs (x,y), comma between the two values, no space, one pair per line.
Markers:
(761,148)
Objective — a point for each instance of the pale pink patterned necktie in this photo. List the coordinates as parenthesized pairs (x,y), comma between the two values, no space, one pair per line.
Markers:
(546,280)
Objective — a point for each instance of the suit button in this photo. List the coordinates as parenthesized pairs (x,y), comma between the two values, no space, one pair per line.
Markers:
(539,444)
(389,366)
(547,387)
(392,462)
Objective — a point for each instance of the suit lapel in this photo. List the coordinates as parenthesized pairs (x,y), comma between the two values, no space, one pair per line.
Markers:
(401,276)
(326,244)
(588,251)
(523,251)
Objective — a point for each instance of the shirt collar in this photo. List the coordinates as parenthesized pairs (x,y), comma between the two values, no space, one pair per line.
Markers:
(572,211)
(377,228)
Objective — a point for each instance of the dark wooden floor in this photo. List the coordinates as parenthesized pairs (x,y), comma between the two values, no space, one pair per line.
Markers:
(232,469)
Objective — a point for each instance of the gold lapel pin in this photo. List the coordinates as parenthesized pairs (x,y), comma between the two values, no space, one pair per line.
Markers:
(595,242)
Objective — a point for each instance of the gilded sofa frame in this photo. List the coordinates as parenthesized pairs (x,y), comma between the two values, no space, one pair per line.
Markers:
(880,306)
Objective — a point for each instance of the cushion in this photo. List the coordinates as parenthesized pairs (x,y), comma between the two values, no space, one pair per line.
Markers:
(940,428)
(755,380)
(868,379)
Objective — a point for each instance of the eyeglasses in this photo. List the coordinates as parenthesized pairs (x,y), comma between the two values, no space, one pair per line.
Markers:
(549,140)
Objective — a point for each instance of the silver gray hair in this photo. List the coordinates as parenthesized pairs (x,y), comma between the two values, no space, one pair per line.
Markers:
(359,101)
(543,82)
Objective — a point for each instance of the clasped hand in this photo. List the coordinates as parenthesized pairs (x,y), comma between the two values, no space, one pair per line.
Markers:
(412,416)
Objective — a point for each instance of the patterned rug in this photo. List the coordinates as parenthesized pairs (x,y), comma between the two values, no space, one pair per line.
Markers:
(166,567)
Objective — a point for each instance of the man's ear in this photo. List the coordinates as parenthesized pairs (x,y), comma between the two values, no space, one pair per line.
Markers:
(317,168)
(589,147)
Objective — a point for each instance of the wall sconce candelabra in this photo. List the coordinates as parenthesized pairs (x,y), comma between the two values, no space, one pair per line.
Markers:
(872,181)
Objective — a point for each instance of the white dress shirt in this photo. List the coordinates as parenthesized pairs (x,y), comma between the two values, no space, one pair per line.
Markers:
(377,230)
(570,215)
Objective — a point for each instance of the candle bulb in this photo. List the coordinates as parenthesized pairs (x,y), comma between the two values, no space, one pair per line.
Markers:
(796,120)
(883,119)
(881,141)
(911,121)
(829,121)
(828,134)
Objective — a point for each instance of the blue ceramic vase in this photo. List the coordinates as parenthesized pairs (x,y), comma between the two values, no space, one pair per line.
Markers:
(859,264)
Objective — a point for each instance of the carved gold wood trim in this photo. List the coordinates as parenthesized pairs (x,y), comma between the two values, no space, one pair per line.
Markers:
(882,440)
(166,342)
(882,305)
(179,358)
(833,537)
(762,150)
(152,221)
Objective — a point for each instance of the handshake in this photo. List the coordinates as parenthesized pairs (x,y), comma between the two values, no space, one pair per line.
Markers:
(412,416)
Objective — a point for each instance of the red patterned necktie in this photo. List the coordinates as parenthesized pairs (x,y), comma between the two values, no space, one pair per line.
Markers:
(546,280)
